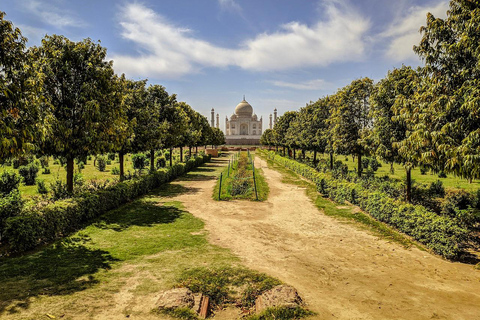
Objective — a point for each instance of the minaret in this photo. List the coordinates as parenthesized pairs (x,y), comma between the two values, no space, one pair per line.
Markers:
(227,129)
(274,116)
(212,120)
(271,121)
(261,127)
(218,121)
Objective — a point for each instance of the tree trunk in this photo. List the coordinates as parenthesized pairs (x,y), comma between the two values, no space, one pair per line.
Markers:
(152,160)
(190,152)
(196,149)
(303,154)
(409,185)
(181,154)
(70,175)
(315,158)
(392,169)
(121,160)
(284,151)
(331,160)
(359,164)
(171,156)
(293,153)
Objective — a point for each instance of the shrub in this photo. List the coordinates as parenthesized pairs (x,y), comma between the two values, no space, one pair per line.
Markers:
(41,187)
(59,190)
(442,174)
(374,164)
(423,170)
(24,232)
(81,166)
(139,161)
(101,163)
(115,171)
(11,205)
(15,163)
(9,181)
(365,162)
(167,155)
(46,170)
(43,161)
(111,156)
(29,173)
(436,189)
(109,162)
(161,162)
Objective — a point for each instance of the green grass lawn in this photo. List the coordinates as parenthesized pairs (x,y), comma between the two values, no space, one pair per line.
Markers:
(399,173)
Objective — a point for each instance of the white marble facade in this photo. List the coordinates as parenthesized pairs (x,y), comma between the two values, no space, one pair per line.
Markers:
(243,124)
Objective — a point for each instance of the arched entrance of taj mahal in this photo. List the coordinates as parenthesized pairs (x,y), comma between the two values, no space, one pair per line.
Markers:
(243,129)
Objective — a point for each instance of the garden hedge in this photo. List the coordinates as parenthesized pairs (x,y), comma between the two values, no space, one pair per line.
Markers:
(444,235)
(32,228)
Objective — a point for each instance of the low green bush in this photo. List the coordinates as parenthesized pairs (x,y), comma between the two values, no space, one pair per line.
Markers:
(11,205)
(139,161)
(41,187)
(161,162)
(29,173)
(101,163)
(36,226)
(445,236)
(9,181)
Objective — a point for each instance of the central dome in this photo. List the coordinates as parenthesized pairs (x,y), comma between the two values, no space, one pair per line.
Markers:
(244,109)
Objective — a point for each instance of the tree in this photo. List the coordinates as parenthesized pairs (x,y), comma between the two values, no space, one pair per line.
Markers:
(173,123)
(134,95)
(350,120)
(281,128)
(267,138)
(79,93)
(446,123)
(19,114)
(218,138)
(388,105)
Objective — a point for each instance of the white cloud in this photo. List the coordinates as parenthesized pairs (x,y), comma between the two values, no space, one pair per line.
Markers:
(404,33)
(51,14)
(317,84)
(167,50)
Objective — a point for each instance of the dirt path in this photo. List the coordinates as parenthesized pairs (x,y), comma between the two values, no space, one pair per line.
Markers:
(341,271)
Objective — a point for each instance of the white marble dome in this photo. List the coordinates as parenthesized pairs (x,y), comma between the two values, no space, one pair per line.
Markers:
(244,109)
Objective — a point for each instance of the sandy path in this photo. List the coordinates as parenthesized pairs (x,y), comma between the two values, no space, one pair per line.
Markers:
(340,270)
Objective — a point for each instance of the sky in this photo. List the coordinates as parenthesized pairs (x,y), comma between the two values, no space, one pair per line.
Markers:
(278,53)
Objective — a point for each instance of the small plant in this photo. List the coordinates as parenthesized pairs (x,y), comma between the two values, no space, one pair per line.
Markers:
(167,155)
(423,170)
(161,162)
(9,181)
(436,189)
(115,171)
(109,162)
(81,166)
(442,174)
(138,161)
(59,190)
(29,173)
(46,170)
(78,179)
(43,161)
(41,187)
(111,156)
(101,163)
(15,163)
(374,164)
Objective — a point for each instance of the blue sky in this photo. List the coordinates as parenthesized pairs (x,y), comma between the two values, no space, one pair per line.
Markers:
(279,53)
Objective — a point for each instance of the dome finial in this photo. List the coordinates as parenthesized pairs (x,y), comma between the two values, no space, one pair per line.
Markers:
(243,97)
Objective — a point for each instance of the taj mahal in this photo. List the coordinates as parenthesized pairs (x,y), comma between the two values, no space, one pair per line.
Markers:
(243,127)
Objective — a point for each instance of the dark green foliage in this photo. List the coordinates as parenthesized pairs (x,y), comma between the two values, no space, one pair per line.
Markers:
(436,189)
(111,156)
(15,163)
(282,313)
(58,219)
(442,174)
(11,205)
(167,155)
(115,170)
(46,171)
(9,181)
(219,283)
(41,187)
(29,173)
(161,162)
(423,170)
(139,161)
(101,163)
(81,166)
(59,190)
(43,161)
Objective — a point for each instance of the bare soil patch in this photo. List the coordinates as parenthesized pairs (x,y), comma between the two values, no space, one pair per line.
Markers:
(341,270)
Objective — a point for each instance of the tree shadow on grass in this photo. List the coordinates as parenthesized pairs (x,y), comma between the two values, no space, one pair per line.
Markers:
(138,213)
(171,190)
(60,269)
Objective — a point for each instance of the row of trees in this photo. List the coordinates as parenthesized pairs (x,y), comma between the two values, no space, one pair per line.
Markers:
(428,116)
(64,99)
